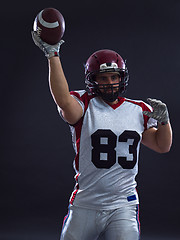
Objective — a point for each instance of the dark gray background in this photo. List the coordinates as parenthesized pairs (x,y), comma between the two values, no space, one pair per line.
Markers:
(36,174)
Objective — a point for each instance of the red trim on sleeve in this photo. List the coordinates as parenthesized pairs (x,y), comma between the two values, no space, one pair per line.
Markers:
(144,108)
(76,94)
(85,98)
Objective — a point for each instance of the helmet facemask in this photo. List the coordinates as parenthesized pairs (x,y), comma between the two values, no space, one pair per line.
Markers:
(108,92)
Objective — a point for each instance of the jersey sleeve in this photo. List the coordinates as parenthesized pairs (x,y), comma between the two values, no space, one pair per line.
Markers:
(76,95)
(150,122)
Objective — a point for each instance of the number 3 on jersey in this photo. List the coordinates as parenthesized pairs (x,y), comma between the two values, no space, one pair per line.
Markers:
(104,144)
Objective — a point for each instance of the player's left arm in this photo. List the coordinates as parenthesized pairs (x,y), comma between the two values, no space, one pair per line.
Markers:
(158,139)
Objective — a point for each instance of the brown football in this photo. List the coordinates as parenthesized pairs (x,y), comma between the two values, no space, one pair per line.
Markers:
(50,25)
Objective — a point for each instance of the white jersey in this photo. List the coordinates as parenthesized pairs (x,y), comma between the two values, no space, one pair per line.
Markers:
(106,141)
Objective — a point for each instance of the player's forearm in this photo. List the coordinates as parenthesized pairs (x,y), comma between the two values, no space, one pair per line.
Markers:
(164,137)
(57,81)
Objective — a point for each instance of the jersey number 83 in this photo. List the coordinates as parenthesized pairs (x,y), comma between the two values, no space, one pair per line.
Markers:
(104,143)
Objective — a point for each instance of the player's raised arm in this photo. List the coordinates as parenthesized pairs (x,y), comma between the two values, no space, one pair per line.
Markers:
(71,109)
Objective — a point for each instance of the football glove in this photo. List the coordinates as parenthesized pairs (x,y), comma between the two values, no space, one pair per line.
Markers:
(160,111)
(49,50)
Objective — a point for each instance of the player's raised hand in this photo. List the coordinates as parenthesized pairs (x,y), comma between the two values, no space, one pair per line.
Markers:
(49,50)
(160,111)
(48,30)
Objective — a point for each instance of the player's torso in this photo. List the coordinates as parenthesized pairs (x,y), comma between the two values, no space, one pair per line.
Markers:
(108,154)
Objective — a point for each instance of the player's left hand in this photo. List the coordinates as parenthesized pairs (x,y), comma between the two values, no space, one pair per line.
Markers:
(160,111)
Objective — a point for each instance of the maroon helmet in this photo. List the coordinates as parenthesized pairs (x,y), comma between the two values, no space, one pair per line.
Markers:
(105,61)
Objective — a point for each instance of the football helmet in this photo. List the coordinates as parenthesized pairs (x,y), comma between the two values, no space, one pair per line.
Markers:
(106,61)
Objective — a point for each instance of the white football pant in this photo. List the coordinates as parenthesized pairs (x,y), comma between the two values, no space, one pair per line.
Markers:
(87,224)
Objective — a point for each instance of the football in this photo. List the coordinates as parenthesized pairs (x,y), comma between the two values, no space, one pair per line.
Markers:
(50,25)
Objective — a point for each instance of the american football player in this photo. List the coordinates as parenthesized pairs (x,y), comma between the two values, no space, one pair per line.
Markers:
(107,130)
